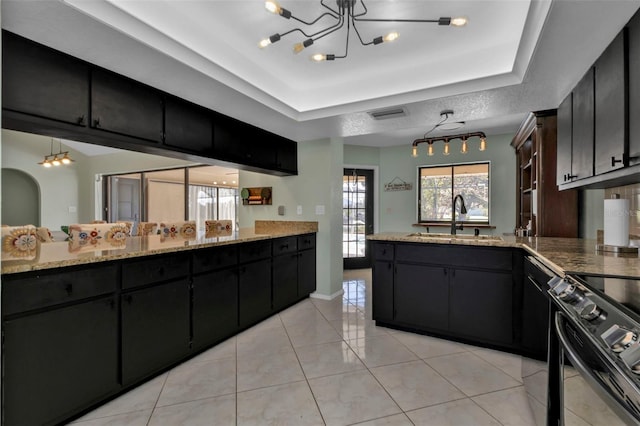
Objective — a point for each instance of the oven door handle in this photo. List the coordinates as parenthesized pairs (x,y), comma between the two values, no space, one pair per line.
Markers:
(587,374)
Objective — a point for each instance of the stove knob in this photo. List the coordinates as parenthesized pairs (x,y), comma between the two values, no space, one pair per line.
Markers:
(592,312)
(631,358)
(571,294)
(618,338)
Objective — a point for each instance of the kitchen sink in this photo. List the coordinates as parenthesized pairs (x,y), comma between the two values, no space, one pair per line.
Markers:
(435,236)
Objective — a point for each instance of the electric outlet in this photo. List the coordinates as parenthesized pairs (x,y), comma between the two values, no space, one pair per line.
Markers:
(299,210)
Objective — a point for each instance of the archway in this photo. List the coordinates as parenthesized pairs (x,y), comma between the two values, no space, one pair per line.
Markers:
(20,198)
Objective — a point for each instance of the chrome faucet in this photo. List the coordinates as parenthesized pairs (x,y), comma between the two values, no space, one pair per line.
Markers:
(463,210)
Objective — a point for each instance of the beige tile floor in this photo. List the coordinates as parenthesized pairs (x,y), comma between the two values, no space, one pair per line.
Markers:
(327,363)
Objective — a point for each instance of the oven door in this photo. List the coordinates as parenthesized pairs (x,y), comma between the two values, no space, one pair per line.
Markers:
(589,389)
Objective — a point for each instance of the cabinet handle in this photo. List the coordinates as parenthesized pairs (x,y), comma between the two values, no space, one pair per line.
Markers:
(161,271)
(614,161)
(570,176)
(284,246)
(80,120)
(128,298)
(69,289)
(389,264)
(112,304)
(445,271)
(96,122)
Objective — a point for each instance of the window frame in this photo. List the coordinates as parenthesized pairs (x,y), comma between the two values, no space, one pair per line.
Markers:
(452,166)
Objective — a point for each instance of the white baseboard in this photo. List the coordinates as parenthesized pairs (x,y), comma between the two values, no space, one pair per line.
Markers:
(329,297)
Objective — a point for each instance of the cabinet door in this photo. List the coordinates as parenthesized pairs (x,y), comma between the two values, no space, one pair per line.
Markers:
(583,128)
(59,362)
(481,305)
(382,289)
(124,106)
(285,280)
(215,307)
(306,272)
(188,127)
(611,107)
(535,319)
(155,329)
(634,89)
(563,154)
(421,296)
(254,287)
(39,81)
(287,156)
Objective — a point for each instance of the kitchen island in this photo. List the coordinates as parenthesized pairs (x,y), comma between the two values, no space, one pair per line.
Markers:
(80,327)
(471,289)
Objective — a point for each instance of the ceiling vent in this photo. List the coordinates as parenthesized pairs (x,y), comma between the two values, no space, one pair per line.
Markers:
(383,114)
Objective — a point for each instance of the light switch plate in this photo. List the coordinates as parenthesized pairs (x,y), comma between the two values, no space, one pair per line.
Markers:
(320,210)
(299,210)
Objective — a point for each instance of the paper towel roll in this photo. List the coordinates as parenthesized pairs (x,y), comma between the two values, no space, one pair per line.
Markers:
(616,222)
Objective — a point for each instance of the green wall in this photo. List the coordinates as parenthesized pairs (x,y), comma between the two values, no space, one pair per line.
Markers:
(397,209)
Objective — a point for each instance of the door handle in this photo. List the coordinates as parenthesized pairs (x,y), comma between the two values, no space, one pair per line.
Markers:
(614,161)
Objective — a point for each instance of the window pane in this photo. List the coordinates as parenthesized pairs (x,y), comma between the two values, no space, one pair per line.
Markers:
(472,182)
(435,193)
(165,195)
(438,186)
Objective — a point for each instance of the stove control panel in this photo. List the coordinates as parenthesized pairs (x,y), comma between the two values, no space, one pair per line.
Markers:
(618,338)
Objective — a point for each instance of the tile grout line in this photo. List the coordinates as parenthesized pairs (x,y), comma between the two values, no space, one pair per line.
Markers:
(155,405)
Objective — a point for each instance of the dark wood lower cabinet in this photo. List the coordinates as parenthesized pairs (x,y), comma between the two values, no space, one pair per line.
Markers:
(307,271)
(254,288)
(285,280)
(382,297)
(58,362)
(481,305)
(155,328)
(76,336)
(476,304)
(421,296)
(215,307)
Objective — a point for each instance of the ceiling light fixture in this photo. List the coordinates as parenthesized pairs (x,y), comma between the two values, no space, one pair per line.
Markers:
(446,139)
(56,159)
(345,13)
(445,124)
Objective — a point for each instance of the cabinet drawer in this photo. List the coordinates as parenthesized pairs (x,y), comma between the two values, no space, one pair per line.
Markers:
(254,251)
(285,245)
(456,256)
(48,289)
(215,258)
(306,241)
(147,271)
(382,251)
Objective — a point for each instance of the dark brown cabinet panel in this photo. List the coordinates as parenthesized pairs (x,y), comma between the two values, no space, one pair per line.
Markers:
(155,329)
(382,290)
(188,127)
(58,362)
(421,296)
(287,156)
(254,292)
(565,138)
(634,89)
(583,128)
(39,81)
(285,280)
(126,107)
(481,305)
(611,107)
(146,271)
(306,272)
(215,307)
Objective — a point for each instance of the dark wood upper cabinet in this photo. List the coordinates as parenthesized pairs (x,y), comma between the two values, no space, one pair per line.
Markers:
(634,89)
(42,82)
(188,127)
(565,137)
(126,107)
(611,107)
(236,141)
(287,156)
(583,128)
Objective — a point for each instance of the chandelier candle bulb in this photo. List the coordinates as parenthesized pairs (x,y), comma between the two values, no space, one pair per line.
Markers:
(483,143)
(430,150)
(414,151)
(446,148)
(464,146)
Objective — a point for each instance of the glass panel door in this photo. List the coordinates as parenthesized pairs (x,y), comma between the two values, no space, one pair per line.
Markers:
(357,217)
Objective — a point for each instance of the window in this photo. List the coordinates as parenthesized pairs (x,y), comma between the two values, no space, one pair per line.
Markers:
(439,184)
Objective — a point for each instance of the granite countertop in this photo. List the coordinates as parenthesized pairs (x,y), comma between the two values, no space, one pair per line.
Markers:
(59,254)
(561,255)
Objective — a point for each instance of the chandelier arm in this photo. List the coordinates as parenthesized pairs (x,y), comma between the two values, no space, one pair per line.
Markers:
(328,30)
(395,20)
(362,13)
(358,33)
(315,20)
(335,12)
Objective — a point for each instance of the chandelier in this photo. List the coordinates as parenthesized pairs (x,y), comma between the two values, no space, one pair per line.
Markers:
(56,159)
(446,124)
(348,14)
